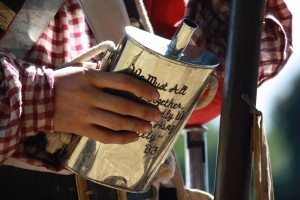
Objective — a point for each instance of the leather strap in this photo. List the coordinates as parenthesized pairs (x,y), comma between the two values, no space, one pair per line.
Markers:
(107,19)
(122,195)
(263,180)
(82,188)
(28,25)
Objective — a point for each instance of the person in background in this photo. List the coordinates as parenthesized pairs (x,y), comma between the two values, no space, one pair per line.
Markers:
(212,17)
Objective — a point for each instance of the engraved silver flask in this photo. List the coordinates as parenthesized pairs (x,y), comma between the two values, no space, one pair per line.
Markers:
(180,72)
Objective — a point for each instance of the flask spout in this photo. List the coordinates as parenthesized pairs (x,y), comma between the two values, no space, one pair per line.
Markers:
(181,39)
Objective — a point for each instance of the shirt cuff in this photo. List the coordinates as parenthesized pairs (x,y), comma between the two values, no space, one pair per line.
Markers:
(38,100)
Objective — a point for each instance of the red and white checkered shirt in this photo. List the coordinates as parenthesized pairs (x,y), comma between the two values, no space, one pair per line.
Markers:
(26,101)
(276,44)
(27,86)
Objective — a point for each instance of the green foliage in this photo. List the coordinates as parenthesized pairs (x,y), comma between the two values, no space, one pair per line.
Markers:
(284,145)
(283,139)
(212,141)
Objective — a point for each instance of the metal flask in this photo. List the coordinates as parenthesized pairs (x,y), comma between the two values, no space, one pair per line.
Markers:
(180,74)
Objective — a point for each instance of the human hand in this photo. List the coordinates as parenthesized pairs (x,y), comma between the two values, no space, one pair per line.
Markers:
(84,107)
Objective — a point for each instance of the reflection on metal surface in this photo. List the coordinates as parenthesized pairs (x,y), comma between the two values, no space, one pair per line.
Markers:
(181,39)
(196,165)
(181,81)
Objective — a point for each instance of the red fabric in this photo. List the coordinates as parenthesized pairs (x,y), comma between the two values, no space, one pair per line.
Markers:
(212,17)
(165,15)
(211,111)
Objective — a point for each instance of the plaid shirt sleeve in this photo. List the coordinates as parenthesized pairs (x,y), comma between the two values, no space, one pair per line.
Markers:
(212,16)
(26,102)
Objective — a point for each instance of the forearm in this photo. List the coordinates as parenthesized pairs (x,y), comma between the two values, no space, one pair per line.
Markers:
(26,103)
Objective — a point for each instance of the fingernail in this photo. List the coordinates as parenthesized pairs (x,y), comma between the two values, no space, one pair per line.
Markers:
(131,139)
(147,129)
(157,116)
(136,139)
(155,95)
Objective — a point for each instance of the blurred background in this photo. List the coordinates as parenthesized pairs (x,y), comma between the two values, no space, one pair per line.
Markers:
(278,99)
